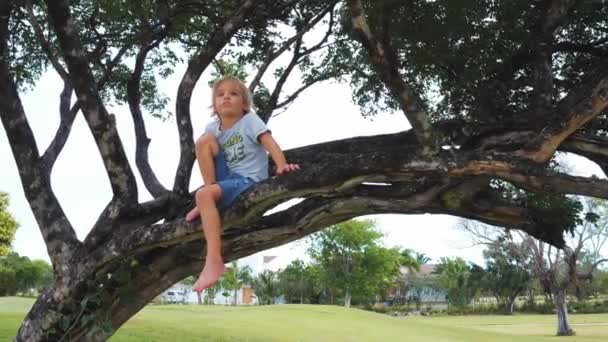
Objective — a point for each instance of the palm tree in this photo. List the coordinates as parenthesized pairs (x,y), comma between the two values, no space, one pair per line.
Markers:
(235,277)
(411,261)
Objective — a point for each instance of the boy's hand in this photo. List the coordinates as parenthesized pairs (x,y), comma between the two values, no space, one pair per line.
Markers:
(281,170)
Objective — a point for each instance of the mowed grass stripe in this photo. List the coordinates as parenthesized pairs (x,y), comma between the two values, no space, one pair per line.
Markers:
(319,323)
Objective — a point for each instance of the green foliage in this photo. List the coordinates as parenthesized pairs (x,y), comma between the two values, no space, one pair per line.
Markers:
(452,49)
(8,225)
(267,287)
(20,275)
(459,280)
(351,259)
(551,213)
(235,277)
(506,274)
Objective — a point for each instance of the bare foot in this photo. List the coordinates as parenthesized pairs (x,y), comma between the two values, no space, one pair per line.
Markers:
(192,215)
(212,271)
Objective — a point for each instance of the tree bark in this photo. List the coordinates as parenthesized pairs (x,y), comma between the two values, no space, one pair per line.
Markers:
(563,328)
(512,305)
(347,297)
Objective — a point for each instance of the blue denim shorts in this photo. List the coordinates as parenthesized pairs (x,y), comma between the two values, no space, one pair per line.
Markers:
(231,183)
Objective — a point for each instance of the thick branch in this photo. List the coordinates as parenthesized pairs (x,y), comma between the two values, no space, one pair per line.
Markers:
(536,180)
(385,60)
(196,66)
(101,124)
(56,230)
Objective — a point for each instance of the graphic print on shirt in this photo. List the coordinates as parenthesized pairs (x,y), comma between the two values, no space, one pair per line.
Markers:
(234,149)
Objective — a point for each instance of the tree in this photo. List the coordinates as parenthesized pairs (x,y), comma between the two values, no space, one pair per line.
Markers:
(23,275)
(558,270)
(458,279)
(295,282)
(352,260)
(266,287)
(235,277)
(519,81)
(506,274)
(8,225)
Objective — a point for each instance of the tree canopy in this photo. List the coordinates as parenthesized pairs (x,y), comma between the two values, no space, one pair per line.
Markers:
(493,91)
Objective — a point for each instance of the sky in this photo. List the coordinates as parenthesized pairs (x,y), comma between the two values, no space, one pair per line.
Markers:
(324,112)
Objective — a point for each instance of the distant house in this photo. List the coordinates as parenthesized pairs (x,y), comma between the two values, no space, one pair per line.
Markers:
(182,293)
(418,287)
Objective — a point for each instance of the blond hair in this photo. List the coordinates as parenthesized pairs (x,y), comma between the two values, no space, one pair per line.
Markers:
(247,98)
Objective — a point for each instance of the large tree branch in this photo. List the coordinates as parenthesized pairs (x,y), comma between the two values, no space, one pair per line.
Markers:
(196,66)
(58,234)
(101,124)
(536,179)
(332,175)
(385,60)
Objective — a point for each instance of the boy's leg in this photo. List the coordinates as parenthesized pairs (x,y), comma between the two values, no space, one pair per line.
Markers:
(206,199)
(207,149)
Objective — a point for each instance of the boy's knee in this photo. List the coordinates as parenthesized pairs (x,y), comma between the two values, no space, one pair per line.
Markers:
(205,194)
(208,141)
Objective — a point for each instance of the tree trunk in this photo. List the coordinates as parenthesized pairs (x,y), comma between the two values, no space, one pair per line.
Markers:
(200,299)
(347,297)
(563,328)
(93,305)
(512,305)
(235,295)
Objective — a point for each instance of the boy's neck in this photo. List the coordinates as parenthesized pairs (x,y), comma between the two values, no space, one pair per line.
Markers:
(227,121)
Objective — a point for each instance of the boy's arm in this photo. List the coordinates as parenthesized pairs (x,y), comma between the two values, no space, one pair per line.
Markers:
(276,153)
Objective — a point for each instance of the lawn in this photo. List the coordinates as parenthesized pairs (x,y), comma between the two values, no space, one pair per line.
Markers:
(320,323)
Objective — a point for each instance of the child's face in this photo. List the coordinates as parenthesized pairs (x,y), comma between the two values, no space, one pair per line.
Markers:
(229,99)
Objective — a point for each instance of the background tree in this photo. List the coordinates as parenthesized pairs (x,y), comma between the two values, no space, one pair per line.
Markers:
(20,275)
(8,225)
(559,271)
(353,261)
(235,277)
(459,280)
(506,274)
(519,81)
(295,282)
(266,287)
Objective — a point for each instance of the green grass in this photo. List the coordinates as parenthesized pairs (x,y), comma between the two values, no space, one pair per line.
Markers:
(321,323)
